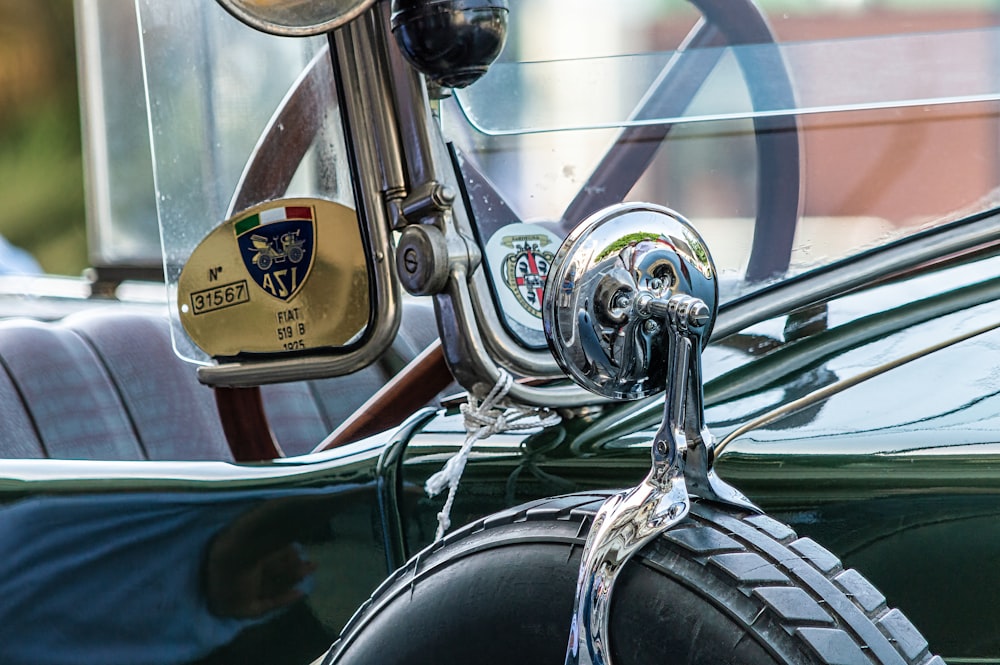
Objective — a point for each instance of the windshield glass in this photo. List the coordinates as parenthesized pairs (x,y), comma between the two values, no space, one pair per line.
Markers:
(791,138)
(868,122)
(850,74)
(211,100)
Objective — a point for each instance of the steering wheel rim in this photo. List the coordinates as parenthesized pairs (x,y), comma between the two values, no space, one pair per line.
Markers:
(777,137)
(732,22)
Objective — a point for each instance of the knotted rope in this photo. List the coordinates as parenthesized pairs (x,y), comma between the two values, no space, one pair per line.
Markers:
(482,420)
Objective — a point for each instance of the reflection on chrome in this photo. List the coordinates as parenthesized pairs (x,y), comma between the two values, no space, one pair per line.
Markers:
(608,294)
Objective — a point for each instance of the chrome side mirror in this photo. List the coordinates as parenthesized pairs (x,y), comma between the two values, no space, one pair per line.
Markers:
(610,292)
(628,305)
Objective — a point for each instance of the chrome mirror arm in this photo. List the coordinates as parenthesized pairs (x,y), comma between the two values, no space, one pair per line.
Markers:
(681,456)
(700,453)
(629,520)
(628,307)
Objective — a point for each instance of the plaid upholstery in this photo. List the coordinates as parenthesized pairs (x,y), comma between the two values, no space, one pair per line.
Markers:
(172,414)
(106,384)
(66,392)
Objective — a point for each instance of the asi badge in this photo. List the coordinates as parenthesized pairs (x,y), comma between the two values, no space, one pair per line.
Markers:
(519,257)
(277,248)
(284,276)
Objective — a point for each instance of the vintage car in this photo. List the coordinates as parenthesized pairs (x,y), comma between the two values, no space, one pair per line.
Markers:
(786,219)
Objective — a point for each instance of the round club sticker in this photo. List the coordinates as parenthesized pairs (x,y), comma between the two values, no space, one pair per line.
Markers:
(519,256)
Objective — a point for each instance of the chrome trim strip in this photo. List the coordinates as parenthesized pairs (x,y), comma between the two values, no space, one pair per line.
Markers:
(50,475)
(836,279)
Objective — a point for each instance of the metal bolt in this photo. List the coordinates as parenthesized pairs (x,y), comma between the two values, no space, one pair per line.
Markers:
(656,284)
(641,304)
(411,261)
(443,196)
(650,326)
(699,315)
(622,301)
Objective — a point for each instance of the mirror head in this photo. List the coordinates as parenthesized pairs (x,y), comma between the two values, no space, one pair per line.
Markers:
(290,18)
(606,298)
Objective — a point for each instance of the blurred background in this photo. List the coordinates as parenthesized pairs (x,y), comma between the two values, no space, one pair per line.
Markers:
(41,174)
(42,206)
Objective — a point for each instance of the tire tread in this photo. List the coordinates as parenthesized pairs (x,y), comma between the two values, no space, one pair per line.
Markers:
(754,567)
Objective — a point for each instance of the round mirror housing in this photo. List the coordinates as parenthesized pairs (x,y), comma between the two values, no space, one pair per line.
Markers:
(609,293)
(289,18)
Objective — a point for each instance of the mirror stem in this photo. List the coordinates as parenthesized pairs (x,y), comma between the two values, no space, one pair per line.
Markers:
(681,455)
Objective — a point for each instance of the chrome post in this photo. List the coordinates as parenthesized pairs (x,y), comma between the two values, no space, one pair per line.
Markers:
(473,338)
(700,455)
(361,61)
(681,455)
(629,520)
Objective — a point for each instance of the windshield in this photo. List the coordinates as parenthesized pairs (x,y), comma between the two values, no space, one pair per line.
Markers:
(211,101)
(867,122)
(790,138)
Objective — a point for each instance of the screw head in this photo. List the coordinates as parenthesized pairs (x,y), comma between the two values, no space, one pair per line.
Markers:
(699,315)
(411,262)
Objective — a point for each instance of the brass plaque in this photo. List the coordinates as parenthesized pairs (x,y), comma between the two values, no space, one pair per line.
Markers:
(283,277)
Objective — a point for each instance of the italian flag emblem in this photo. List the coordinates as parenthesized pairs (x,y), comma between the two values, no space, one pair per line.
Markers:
(277,246)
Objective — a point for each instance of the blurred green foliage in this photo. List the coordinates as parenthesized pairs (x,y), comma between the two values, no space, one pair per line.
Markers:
(41,173)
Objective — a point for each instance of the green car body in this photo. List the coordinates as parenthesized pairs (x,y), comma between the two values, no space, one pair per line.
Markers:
(907,494)
(858,403)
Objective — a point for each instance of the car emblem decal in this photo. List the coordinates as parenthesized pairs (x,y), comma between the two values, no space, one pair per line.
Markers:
(518,256)
(525,269)
(277,246)
(284,276)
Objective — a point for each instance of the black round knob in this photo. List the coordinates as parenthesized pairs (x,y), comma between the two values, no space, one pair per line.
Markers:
(452,42)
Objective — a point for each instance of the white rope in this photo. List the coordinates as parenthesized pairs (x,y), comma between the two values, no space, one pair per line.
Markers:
(483,420)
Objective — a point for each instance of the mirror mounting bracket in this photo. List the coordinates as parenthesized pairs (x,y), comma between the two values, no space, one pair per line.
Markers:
(682,455)
(628,307)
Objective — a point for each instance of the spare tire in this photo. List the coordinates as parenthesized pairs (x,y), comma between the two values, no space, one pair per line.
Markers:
(723,586)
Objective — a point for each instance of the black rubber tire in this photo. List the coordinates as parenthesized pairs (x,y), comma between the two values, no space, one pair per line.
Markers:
(721,587)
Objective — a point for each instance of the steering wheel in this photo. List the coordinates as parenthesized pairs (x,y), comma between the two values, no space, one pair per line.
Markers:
(732,22)
(278,153)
